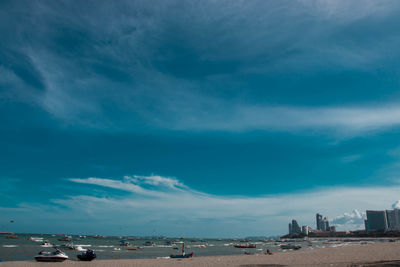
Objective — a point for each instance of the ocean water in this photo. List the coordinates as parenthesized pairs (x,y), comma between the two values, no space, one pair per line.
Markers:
(110,248)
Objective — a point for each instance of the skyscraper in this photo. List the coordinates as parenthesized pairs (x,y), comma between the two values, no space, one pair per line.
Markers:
(319,222)
(393,219)
(325,224)
(294,228)
(376,220)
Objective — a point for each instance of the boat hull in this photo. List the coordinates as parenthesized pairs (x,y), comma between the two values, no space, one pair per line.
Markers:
(185,256)
(50,259)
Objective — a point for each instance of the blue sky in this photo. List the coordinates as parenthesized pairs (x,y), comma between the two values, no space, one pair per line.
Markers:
(196,118)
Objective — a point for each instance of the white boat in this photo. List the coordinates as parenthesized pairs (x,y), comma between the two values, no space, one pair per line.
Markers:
(55,256)
(46,244)
(36,239)
(67,246)
(80,249)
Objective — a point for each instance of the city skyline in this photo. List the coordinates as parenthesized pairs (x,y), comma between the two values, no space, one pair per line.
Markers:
(200,118)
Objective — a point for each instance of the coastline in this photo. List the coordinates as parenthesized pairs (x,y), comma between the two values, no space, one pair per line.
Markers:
(377,254)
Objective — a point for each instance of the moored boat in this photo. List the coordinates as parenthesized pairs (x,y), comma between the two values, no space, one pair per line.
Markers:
(55,256)
(183,255)
(65,238)
(290,246)
(46,244)
(89,255)
(245,246)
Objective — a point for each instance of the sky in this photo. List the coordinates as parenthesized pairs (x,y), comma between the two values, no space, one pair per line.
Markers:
(197,118)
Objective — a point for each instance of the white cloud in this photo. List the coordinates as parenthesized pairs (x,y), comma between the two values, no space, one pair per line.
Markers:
(168,207)
(349,221)
(165,203)
(341,120)
(396,205)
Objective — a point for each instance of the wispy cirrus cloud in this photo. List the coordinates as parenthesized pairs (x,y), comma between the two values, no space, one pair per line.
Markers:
(146,68)
(161,207)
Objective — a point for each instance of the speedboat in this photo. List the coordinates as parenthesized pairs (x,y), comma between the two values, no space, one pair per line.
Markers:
(55,256)
(87,256)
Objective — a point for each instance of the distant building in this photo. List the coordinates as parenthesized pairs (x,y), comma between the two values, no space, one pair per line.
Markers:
(305,229)
(393,219)
(332,228)
(295,227)
(319,222)
(290,229)
(325,224)
(376,220)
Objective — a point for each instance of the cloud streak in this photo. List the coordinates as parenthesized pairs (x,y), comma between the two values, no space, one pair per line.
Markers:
(147,68)
(266,215)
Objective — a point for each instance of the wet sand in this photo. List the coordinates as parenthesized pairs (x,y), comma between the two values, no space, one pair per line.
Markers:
(378,254)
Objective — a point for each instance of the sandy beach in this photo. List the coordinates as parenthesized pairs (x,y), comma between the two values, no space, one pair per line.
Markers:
(378,254)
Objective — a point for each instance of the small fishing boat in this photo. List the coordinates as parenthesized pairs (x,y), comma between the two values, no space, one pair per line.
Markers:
(245,246)
(36,239)
(183,255)
(55,256)
(290,246)
(89,255)
(12,237)
(124,243)
(46,244)
(67,246)
(149,244)
(65,238)
(132,248)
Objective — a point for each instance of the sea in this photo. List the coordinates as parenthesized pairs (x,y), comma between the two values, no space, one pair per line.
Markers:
(109,247)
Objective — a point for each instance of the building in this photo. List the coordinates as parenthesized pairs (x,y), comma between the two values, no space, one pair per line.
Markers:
(319,222)
(305,229)
(325,224)
(332,228)
(393,219)
(376,220)
(294,228)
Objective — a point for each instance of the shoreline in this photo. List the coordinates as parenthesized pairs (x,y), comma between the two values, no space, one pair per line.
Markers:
(377,254)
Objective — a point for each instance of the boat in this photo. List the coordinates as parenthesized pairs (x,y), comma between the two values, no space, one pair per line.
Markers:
(245,246)
(55,256)
(65,238)
(89,255)
(149,244)
(12,237)
(36,239)
(46,244)
(124,243)
(290,246)
(132,248)
(80,249)
(183,255)
(67,246)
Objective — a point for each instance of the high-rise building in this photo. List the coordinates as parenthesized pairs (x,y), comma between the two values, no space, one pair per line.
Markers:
(305,229)
(319,222)
(376,220)
(393,219)
(294,228)
(325,224)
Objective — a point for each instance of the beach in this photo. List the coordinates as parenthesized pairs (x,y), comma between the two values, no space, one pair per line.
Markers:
(377,254)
